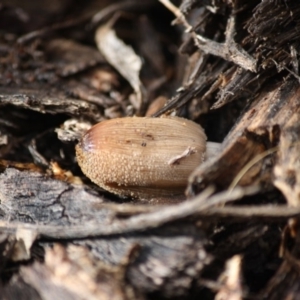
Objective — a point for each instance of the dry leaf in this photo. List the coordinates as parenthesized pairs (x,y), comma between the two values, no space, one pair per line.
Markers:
(122,57)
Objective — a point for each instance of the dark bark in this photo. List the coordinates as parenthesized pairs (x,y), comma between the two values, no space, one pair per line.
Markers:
(236,234)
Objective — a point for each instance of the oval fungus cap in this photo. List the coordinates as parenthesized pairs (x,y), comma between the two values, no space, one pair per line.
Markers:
(140,156)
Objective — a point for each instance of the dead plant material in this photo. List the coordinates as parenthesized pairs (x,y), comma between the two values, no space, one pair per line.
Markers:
(121,57)
(230,66)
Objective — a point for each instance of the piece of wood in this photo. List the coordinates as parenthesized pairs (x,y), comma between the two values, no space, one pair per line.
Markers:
(261,127)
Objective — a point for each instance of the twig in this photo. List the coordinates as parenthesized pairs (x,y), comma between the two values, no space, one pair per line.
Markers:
(46,30)
(136,223)
(229,50)
(249,165)
(176,11)
(119,7)
(270,212)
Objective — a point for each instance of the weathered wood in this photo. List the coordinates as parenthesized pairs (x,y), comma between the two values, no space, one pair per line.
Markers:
(261,127)
(72,274)
(65,206)
(286,171)
(18,289)
(47,100)
(285,282)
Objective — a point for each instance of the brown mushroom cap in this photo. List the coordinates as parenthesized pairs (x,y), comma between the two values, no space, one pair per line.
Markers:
(142,157)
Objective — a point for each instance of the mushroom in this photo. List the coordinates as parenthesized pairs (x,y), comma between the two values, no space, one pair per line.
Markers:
(143,157)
